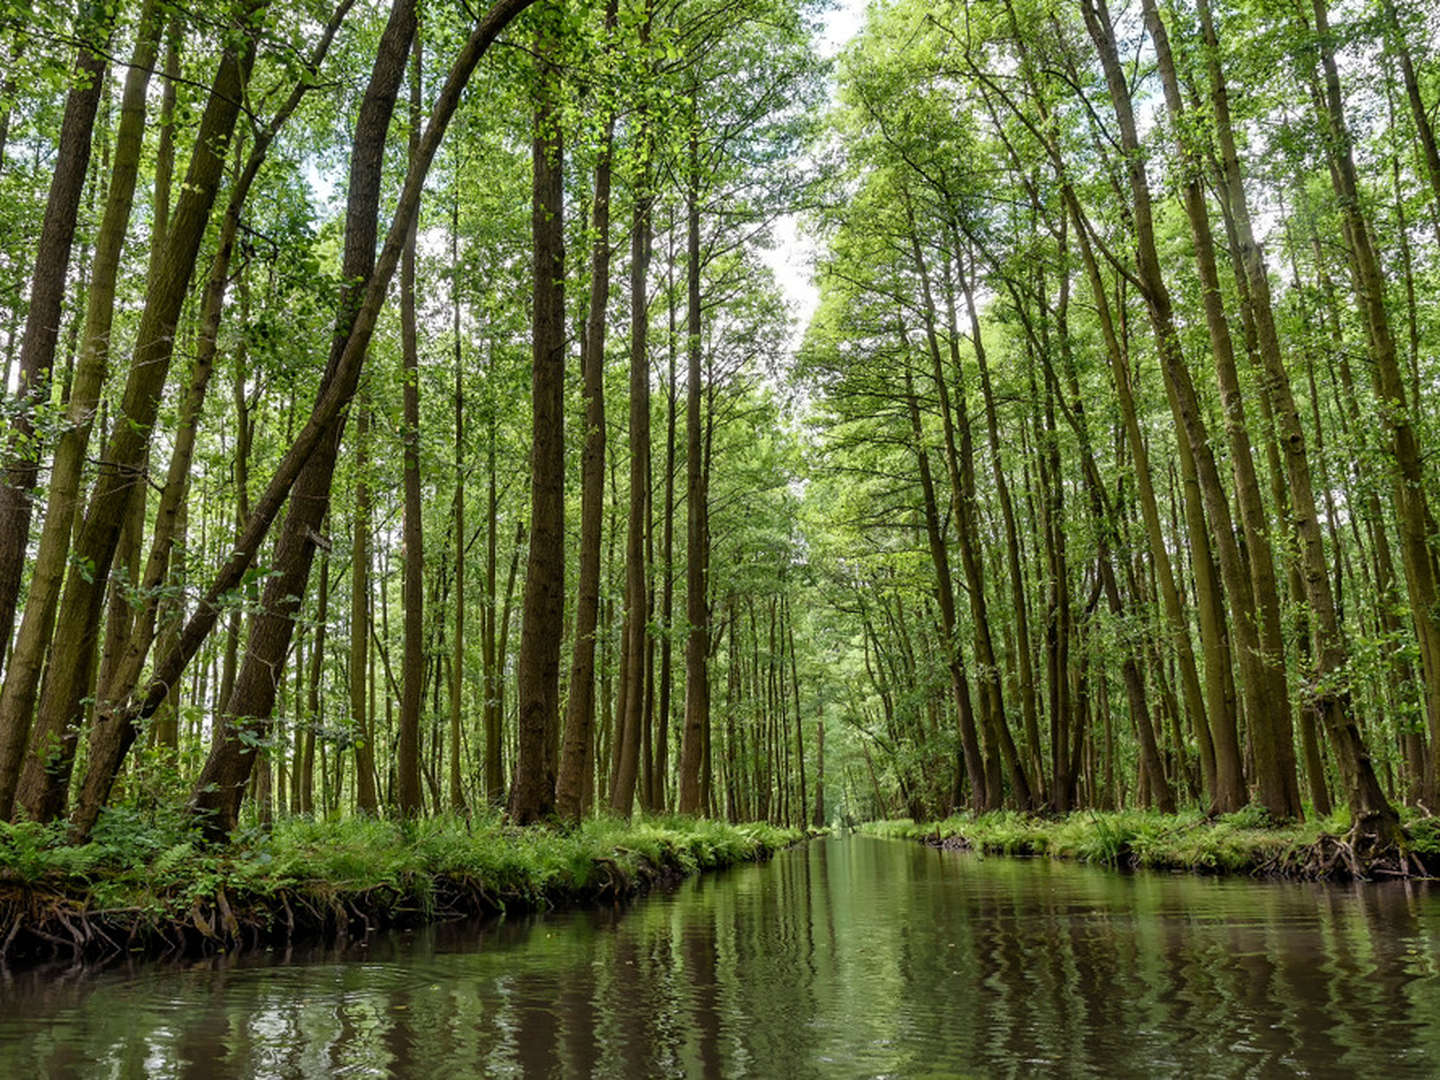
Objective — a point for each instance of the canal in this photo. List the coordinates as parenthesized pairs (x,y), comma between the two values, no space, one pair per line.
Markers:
(847,957)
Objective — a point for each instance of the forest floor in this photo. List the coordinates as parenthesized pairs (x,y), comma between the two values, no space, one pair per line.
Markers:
(144,887)
(1242,843)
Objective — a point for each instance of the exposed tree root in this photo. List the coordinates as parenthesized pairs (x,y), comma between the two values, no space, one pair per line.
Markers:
(1362,854)
(39,923)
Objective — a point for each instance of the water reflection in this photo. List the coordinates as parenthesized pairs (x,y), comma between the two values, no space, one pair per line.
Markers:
(847,958)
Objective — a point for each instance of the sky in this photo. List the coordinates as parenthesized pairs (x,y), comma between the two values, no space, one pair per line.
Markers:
(793,256)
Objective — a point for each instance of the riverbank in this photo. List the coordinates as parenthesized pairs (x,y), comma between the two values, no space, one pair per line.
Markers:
(1241,843)
(143,888)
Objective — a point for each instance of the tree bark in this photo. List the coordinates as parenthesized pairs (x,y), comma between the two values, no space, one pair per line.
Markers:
(45,776)
(1279,789)
(580,709)
(697,675)
(1272,728)
(47,293)
(407,758)
(246,716)
(22,673)
(335,393)
(631,717)
(532,794)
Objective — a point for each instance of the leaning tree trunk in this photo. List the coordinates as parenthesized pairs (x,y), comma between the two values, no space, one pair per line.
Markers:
(69,676)
(22,673)
(1279,789)
(1412,510)
(1247,483)
(245,717)
(334,396)
(47,293)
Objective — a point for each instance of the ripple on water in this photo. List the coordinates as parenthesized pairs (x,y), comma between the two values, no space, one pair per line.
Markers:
(849,957)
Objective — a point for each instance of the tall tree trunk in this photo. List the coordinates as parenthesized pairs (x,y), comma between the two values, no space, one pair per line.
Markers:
(1411,504)
(221,783)
(1018,600)
(1002,744)
(228,759)
(45,776)
(22,673)
(971,759)
(47,293)
(314,705)
(532,795)
(799,817)
(1218,713)
(407,759)
(367,799)
(494,763)
(580,709)
(457,659)
(818,821)
(631,717)
(1277,777)
(1279,791)
(697,675)
(667,601)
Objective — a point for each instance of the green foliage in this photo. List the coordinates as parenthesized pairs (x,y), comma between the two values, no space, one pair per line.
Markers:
(162,869)
(1242,842)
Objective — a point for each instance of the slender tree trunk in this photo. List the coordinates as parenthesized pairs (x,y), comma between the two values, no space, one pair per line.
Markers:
(407,760)
(221,783)
(1267,710)
(532,795)
(22,673)
(1277,765)
(667,601)
(457,659)
(818,821)
(630,717)
(971,760)
(580,709)
(47,293)
(1029,714)
(494,764)
(697,675)
(1218,714)
(315,704)
(45,776)
(1369,805)
(367,800)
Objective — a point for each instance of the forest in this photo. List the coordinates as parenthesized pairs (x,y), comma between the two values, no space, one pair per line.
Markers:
(582,408)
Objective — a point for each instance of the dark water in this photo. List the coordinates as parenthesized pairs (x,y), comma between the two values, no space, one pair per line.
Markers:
(847,958)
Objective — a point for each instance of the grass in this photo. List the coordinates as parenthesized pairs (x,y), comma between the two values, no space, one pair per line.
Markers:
(1243,842)
(152,882)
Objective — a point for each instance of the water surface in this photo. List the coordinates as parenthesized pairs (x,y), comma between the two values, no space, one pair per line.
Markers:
(849,957)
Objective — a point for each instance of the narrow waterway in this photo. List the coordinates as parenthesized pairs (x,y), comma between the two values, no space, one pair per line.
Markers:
(848,957)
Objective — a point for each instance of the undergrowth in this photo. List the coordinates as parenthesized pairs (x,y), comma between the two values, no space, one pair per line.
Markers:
(159,868)
(1244,842)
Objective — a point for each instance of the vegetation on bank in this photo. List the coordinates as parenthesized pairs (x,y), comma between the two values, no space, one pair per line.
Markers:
(1246,842)
(1104,474)
(154,887)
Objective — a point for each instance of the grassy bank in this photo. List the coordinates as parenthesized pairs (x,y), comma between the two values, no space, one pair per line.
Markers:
(1243,843)
(142,886)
